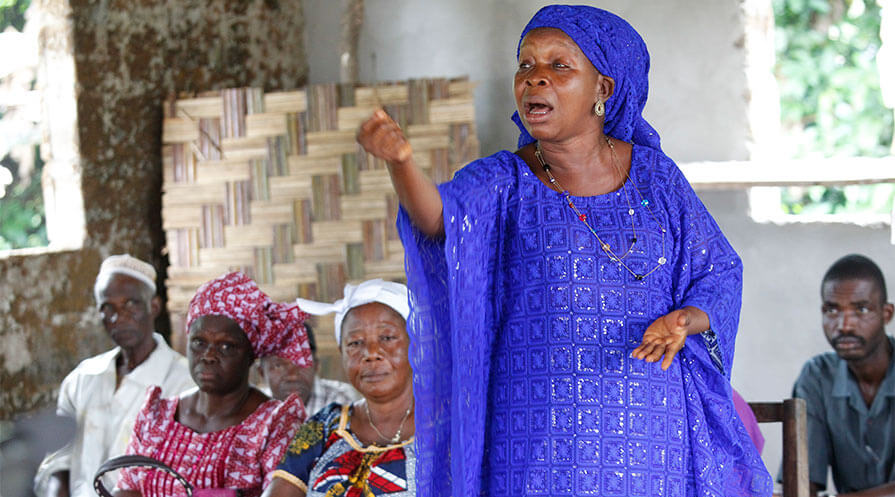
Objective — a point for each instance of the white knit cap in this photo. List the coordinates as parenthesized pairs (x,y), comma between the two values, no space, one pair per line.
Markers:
(127,265)
(389,293)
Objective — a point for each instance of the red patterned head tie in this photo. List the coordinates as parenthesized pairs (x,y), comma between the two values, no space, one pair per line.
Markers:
(272,328)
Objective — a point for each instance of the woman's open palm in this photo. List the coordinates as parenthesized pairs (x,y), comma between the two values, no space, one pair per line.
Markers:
(664,337)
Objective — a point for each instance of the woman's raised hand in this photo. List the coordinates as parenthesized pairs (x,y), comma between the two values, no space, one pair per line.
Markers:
(381,136)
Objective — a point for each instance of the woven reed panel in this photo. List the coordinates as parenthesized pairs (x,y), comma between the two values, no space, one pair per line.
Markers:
(275,185)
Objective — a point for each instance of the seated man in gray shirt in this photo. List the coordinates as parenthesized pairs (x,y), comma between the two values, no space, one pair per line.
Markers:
(850,393)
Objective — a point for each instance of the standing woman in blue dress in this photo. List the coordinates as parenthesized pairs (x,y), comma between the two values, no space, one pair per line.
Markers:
(574,305)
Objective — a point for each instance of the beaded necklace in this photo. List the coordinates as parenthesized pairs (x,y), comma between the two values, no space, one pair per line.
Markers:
(583,218)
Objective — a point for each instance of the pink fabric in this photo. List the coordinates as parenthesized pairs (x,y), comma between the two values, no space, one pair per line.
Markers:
(273,328)
(749,421)
(242,457)
(215,492)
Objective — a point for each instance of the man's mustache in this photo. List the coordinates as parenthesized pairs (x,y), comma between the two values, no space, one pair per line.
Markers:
(849,338)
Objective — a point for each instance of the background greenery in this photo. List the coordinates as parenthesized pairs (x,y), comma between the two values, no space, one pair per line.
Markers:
(22,221)
(12,13)
(830,98)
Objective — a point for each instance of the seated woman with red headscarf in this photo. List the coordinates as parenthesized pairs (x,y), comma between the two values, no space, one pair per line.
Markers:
(226,434)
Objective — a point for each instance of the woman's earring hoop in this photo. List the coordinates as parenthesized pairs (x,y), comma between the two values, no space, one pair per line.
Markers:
(599,108)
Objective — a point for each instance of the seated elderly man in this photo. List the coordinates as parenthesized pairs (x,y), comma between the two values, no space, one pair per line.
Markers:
(104,393)
(285,378)
(850,392)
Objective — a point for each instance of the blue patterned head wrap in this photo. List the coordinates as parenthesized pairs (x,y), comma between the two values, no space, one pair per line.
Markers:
(617,51)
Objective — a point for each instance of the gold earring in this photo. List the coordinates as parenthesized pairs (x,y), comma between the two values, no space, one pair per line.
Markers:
(599,108)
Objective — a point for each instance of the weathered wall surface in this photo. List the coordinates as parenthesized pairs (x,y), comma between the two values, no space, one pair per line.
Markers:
(129,56)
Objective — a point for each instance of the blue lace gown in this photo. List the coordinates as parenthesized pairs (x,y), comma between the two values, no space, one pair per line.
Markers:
(522,332)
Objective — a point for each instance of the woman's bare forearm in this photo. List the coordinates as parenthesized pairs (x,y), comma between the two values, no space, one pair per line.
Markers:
(419,196)
(382,137)
(279,487)
(696,321)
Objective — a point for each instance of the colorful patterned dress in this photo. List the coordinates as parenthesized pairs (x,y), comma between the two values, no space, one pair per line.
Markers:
(326,460)
(522,331)
(242,456)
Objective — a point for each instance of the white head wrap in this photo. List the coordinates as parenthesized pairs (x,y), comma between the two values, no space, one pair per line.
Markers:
(389,293)
(127,265)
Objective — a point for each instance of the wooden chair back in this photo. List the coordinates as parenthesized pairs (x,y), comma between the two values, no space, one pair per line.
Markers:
(792,413)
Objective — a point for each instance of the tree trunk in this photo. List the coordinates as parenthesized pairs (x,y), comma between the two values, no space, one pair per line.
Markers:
(352,21)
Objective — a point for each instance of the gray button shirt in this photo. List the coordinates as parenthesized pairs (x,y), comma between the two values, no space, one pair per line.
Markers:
(856,441)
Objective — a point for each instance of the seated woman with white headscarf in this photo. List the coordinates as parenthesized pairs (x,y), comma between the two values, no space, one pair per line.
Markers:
(365,448)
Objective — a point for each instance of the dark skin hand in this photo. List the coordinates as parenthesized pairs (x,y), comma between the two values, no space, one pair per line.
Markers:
(382,137)
(666,336)
(281,488)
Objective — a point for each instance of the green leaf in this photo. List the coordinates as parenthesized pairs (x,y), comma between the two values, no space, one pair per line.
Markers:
(830,101)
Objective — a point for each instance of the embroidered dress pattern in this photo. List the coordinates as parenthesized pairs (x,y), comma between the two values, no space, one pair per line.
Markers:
(522,331)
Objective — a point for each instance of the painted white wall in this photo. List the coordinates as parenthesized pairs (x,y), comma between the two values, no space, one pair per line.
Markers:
(697,103)
(697,88)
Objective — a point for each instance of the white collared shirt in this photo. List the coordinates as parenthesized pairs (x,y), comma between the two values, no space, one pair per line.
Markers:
(105,415)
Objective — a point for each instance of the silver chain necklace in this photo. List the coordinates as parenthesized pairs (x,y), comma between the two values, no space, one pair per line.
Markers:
(397,436)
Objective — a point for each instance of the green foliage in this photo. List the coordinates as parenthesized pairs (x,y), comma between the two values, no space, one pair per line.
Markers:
(848,199)
(12,13)
(830,98)
(22,221)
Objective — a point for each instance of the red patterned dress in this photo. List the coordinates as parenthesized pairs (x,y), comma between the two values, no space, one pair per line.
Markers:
(242,456)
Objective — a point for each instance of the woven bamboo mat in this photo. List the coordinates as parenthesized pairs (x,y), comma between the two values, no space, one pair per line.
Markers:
(275,185)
